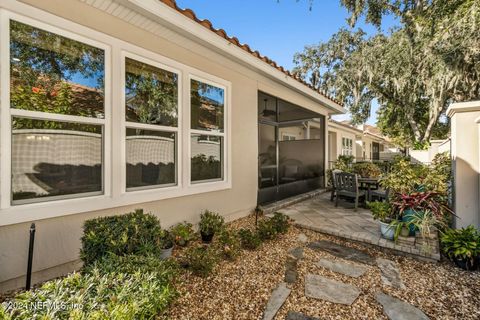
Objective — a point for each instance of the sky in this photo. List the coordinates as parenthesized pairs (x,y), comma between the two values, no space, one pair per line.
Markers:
(279,28)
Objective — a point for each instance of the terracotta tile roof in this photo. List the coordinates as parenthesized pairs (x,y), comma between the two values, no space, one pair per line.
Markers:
(207,24)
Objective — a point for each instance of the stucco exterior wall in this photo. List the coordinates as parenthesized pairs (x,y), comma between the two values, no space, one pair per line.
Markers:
(57,241)
(465,151)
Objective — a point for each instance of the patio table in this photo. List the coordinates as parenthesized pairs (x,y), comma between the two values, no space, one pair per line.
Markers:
(369,182)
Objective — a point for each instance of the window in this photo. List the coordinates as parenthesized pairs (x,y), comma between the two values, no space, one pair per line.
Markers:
(347,147)
(57,113)
(207,117)
(151,115)
(288,137)
(66,150)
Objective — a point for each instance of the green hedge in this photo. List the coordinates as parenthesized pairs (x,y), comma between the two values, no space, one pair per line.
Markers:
(132,233)
(130,287)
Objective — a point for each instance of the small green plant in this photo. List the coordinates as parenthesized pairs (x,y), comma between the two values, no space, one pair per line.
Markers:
(200,259)
(280,222)
(344,163)
(228,244)
(266,230)
(132,233)
(182,233)
(248,239)
(166,239)
(210,223)
(462,244)
(402,178)
(380,211)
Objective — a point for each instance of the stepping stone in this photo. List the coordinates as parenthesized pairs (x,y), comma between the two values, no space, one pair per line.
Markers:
(302,238)
(348,269)
(390,273)
(277,299)
(297,253)
(319,287)
(343,252)
(396,309)
(292,315)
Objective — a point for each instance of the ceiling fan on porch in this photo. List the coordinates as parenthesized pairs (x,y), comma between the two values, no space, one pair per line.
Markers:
(267,112)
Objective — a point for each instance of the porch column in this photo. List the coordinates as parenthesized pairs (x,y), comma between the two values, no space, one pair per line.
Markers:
(465,153)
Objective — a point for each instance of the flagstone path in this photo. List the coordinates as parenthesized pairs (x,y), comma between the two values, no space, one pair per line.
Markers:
(322,288)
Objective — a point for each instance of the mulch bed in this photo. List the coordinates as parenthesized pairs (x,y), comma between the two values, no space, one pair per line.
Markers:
(240,289)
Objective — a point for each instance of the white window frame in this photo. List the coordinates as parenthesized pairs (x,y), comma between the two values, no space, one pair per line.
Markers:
(288,137)
(7,113)
(114,180)
(347,146)
(154,61)
(219,83)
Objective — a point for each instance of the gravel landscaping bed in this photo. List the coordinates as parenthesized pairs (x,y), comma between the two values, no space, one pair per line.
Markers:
(240,289)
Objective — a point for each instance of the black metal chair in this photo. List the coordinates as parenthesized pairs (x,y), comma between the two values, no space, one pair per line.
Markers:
(334,183)
(347,186)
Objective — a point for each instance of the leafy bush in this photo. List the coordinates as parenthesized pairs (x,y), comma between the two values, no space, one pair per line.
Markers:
(210,222)
(280,222)
(367,169)
(402,178)
(344,163)
(248,239)
(461,243)
(266,230)
(228,243)
(380,210)
(166,239)
(200,259)
(126,291)
(182,233)
(132,233)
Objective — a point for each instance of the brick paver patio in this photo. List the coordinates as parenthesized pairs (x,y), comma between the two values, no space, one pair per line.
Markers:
(318,213)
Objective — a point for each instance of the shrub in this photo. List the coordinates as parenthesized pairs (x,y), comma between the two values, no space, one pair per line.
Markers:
(280,222)
(200,260)
(462,243)
(132,233)
(344,163)
(248,239)
(228,244)
(402,178)
(182,233)
(166,239)
(367,169)
(210,222)
(266,230)
(116,294)
(380,210)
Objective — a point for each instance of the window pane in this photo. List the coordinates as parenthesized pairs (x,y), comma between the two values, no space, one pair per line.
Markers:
(51,73)
(51,158)
(151,94)
(207,163)
(207,106)
(150,158)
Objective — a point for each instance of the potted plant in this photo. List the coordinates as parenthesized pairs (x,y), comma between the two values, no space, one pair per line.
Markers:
(462,246)
(426,225)
(210,223)
(401,228)
(182,233)
(408,204)
(382,211)
(166,244)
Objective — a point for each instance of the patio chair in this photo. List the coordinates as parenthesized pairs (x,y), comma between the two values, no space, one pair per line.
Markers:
(380,194)
(347,186)
(334,183)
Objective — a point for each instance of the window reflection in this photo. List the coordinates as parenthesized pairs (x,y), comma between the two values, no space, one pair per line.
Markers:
(51,158)
(207,106)
(206,160)
(150,158)
(54,74)
(151,94)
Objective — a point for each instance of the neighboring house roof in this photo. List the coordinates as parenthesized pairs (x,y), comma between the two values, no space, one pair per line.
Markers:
(345,125)
(208,25)
(367,130)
